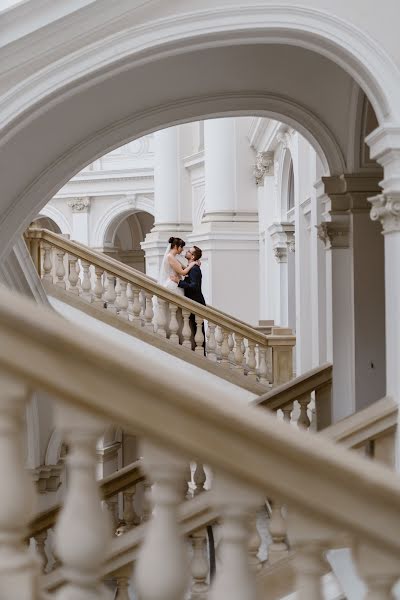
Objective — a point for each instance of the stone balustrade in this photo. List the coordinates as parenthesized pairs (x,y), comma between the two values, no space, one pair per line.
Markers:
(326,490)
(138,300)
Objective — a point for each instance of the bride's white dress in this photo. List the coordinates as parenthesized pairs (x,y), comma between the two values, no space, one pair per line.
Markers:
(164,279)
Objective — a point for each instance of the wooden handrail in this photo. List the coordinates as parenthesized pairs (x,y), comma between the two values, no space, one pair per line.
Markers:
(189,415)
(135,277)
(303,384)
(119,481)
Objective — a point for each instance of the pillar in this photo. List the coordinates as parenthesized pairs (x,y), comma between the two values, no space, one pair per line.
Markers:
(172,205)
(80,219)
(355,294)
(384,145)
(228,233)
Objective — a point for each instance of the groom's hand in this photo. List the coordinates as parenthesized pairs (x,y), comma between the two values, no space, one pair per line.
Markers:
(175,278)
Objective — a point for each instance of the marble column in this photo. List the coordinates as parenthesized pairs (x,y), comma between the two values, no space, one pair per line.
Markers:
(172,206)
(228,233)
(80,219)
(384,145)
(355,294)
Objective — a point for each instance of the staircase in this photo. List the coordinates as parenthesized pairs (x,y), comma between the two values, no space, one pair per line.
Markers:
(332,497)
(123,297)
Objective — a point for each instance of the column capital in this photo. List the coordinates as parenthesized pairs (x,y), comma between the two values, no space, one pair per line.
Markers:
(79,205)
(280,254)
(333,235)
(264,166)
(386,209)
(282,235)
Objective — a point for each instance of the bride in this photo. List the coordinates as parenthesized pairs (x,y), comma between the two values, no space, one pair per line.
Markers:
(171,265)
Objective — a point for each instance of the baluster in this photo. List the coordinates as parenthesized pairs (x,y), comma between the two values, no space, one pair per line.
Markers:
(251,360)
(287,412)
(148,311)
(219,338)
(173,324)
(309,538)
(277,549)
(98,286)
(254,545)
(136,306)
(122,578)
(19,569)
(199,479)
(161,317)
(238,353)
(40,540)
(379,570)
(211,342)
(163,552)
(186,331)
(83,532)
(231,344)
(142,300)
(262,364)
(303,421)
(199,336)
(123,301)
(199,565)
(47,263)
(225,350)
(187,483)
(117,293)
(86,283)
(73,275)
(237,503)
(130,517)
(129,296)
(60,269)
(110,295)
(112,507)
(146,508)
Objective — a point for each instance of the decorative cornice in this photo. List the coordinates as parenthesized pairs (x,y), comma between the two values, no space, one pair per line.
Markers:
(264,166)
(79,205)
(48,477)
(386,209)
(333,235)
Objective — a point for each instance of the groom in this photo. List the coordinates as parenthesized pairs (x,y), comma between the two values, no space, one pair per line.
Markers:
(192,286)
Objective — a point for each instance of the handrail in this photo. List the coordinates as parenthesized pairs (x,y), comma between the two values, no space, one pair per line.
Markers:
(292,390)
(306,471)
(131,275)
(119,481)
(365,425)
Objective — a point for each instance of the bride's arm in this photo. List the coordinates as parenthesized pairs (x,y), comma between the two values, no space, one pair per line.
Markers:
(176,265)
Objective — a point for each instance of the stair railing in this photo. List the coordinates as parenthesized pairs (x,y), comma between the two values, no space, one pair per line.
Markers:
(327,489)
(137,299)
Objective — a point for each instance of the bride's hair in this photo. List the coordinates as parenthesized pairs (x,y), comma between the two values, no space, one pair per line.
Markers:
(176,242)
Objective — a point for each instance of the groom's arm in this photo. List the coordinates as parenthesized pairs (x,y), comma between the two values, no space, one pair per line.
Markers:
(192,280)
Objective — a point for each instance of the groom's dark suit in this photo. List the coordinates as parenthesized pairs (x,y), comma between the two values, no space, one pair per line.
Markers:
(192,286)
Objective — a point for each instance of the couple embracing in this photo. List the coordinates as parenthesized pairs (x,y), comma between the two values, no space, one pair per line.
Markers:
(185,281)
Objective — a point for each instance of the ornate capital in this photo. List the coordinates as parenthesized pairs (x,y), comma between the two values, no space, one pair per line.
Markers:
(264,166)
(280,254)
(291,242)
(283,138)
(386,209)
(333,235)
(79,205)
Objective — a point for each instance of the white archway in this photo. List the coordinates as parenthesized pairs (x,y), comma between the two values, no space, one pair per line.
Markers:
(57,216)
(134,49)
(117,213)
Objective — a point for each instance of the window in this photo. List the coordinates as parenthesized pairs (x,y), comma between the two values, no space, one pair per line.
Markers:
(290,197)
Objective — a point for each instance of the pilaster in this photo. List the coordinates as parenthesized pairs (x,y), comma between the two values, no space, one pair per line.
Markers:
(80,219)
(384,145)
(355,293)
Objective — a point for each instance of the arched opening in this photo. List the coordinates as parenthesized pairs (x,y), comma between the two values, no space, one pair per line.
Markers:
(43,222)
(124,237)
